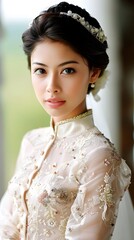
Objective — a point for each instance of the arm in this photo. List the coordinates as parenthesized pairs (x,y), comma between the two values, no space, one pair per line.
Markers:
(103,181)
(8,219)
(8,214)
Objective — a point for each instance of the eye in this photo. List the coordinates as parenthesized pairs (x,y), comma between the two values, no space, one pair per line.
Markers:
(39,71)
(68,71)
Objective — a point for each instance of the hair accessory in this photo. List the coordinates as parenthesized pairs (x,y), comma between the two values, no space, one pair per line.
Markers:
(98,33)
(100,84)
(92,85)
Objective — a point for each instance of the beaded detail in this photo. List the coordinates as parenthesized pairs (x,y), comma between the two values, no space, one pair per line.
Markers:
(80,116)
(82,178)
(98,33)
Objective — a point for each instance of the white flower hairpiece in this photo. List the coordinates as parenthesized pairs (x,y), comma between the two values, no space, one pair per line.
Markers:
(100,84)
(96,32)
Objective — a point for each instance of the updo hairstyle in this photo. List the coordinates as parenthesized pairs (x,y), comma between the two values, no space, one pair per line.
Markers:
(59,27)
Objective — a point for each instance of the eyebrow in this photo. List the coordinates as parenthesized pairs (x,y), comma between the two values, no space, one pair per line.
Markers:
(60,65)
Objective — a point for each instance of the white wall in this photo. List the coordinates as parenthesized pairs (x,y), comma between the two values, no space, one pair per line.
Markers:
(108,109)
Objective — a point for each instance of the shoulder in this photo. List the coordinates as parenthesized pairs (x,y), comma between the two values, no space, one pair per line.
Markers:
(104,160)
(97,140)
(101,152)
(35,133)
(31,142)
(36,137)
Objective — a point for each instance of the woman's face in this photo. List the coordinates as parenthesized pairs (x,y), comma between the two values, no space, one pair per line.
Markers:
(60,79)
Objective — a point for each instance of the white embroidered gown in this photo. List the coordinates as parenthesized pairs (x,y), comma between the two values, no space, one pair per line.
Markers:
(67,185)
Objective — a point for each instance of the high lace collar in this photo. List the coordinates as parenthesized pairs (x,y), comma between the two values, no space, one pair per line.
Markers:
(73,126)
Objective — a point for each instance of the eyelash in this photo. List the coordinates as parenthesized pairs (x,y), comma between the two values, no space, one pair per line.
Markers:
(66,71)
(39,71)
(70,70)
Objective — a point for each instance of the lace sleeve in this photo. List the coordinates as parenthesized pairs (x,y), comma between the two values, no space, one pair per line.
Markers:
(8,214)
(8,219)
(103,180)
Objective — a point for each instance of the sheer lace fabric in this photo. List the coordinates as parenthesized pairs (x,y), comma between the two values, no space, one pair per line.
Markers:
(67,185)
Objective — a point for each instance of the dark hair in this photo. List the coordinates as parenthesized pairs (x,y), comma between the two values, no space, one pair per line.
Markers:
(59,27)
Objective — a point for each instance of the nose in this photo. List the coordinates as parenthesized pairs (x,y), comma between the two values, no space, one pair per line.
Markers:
(53,84)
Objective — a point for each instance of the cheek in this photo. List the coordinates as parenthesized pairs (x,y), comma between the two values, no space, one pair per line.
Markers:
(38,90)
(81,87)
(37,85)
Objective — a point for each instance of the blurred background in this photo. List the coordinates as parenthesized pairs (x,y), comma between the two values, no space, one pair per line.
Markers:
(19,109)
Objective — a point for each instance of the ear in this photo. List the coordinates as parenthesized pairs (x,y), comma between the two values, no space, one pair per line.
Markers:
(94,74)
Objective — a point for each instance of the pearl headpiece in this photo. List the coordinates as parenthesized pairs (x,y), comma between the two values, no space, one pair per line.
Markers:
(96,32)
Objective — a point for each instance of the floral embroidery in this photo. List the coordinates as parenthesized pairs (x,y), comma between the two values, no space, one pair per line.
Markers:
(57,195)
(102,200)
(106,195)
(106,192)
(50,198)
(77,145)
(62,225)
(52,212)
(43,198)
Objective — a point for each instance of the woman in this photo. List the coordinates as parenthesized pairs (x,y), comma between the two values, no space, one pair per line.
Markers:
(69,178)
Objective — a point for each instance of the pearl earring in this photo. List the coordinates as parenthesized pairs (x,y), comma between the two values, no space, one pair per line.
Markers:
(92,85)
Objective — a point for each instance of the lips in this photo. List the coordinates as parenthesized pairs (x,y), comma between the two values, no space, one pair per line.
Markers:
(54,102)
